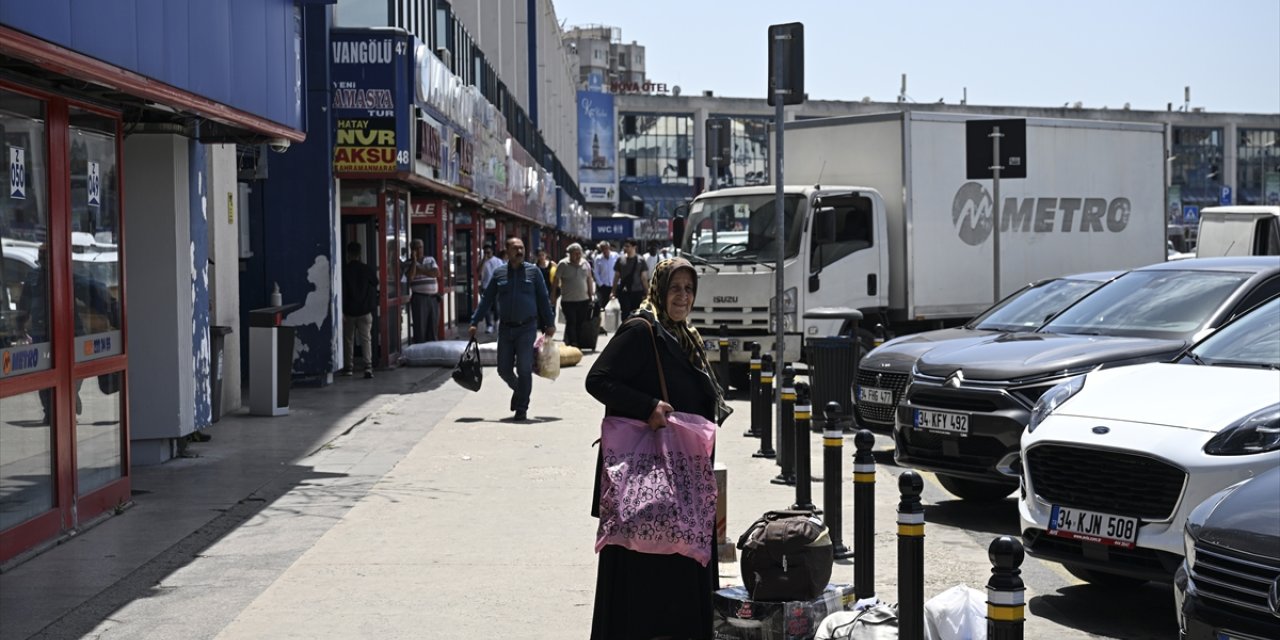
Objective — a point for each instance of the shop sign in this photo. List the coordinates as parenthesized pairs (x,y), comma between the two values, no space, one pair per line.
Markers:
(429,143)
(95,185)
(638,87)
(424,209)
(25,358)
(17,173)
(370,108)
(612,228)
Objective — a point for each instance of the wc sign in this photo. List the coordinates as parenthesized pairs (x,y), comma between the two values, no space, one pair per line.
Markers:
(95,185)
(17,173)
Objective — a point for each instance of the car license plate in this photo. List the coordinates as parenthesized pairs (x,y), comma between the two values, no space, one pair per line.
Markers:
(875,396)
(957,423)
(1091,526)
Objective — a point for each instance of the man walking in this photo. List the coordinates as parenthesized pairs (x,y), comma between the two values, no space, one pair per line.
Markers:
(488,264)
(631,280)
(359,300)
(573,281)
(603,270)
(423,273)
(524,308)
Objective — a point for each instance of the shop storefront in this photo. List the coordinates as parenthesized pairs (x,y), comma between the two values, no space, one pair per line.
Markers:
(64,455)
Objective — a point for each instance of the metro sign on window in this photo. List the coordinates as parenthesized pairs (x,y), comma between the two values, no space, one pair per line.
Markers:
(95,185)
(17,173)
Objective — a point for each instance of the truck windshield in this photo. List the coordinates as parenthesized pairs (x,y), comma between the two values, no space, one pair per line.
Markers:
(742,228)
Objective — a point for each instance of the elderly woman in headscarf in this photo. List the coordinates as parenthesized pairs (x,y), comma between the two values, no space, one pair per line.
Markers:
(643,595)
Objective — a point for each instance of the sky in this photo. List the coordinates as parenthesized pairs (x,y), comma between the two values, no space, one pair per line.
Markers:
(1003,52)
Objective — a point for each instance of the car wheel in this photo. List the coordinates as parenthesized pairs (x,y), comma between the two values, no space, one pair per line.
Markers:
(1103,579)
(975,490)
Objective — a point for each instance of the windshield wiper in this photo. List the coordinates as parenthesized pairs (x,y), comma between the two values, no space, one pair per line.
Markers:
(753,258)
(1196,359)
(697,259)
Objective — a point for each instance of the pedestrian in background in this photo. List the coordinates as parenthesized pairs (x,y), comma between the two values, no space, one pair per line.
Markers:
(544,265)
(489,263)
(423,275)
(603,269)
(359,301)
(574,287)
(630,280)
(644,595)
(524,308)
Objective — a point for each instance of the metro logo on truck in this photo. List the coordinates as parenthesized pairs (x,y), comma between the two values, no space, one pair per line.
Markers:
(971,214)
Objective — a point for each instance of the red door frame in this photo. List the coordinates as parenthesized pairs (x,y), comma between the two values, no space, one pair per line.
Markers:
(70,511)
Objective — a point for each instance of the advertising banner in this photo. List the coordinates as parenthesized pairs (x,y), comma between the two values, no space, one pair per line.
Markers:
(370,74)
(597,147)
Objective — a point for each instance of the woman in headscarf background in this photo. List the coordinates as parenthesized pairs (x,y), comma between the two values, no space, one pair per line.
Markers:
(644,595)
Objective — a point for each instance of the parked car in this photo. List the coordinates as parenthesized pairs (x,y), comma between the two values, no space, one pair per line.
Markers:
(1227,586)
(883,373)
(1114,460)
(965,408)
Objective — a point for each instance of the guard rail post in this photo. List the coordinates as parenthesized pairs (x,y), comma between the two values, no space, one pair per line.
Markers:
(832,490)
(786,431)
(754,393)
(864,515)
(1005,590)
(804,476)
(766,409)
(910,557)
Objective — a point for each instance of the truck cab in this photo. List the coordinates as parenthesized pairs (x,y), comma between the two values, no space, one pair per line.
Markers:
(835,253)
(1239,231)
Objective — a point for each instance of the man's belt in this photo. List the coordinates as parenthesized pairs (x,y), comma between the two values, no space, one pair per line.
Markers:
(511,324)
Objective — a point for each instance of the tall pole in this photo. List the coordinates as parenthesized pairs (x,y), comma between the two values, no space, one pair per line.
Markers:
(995,209)
(779,93)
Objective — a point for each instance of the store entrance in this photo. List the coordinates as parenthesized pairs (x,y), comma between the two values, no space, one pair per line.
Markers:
(463,272)
(363,229)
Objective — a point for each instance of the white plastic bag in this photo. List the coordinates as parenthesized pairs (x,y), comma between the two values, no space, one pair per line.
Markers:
(548,356)
(612,315)
(959,613)
(868,621)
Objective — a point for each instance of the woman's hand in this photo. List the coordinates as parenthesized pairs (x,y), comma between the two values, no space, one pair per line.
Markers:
(658,419)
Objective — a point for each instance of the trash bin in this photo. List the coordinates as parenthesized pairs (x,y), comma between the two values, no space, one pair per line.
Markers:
(218,334)
(833,365)
(270,360)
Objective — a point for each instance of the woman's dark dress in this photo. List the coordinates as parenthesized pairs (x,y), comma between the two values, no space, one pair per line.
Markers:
(643,595)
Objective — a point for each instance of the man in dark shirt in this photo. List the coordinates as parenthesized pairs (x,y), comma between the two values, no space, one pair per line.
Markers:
(359,300)
(524,308)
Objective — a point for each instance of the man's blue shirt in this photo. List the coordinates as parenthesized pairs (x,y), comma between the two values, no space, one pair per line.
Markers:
(521,296)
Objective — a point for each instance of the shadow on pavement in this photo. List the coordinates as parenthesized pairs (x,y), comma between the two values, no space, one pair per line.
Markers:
(1141,613)
(999,518)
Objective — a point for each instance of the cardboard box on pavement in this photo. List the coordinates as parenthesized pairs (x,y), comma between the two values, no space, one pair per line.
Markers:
(739,618)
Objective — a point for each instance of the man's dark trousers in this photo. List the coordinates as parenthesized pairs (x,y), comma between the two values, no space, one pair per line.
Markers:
(515,361)
(423,316)
(575,314)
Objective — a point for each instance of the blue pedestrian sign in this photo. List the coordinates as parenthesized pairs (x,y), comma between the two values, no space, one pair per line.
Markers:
(1190,214)
(1224,195)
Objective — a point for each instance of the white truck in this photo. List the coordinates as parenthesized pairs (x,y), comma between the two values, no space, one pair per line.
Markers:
(1242,230)
(908,241)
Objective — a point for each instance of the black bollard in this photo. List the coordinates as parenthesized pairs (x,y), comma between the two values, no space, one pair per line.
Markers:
(832,490)
(864,516)
(804,477)
(786,431)
(910,557)
(724,357)
(1005,591)
(764,418)
(754,394)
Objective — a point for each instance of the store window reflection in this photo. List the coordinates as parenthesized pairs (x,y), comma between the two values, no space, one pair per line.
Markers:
(1258,167)
(24,225)
(95,224)
(26,459)
(1196,164)
(656,149)
(99,433)
(748,163)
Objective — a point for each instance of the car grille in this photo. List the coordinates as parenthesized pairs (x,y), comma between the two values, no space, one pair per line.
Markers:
(941,399)
(1237,581)
(879,413)
(1106,481)
(974,454)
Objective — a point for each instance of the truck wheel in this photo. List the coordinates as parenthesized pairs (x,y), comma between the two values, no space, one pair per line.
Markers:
(975,490)
(1104,580)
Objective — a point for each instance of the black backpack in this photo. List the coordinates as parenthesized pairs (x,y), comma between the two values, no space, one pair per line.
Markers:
(786,556)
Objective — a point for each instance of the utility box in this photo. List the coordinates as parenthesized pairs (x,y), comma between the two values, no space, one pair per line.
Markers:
(270,360)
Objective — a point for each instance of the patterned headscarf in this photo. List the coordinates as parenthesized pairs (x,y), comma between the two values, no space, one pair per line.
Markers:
(688,337)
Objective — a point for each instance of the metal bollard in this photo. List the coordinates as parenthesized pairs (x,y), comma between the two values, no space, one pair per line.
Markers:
(864,515)
(754,394)
(910,557)
(804,477)
(723,373)
(1005,591)
(764,415)
(832,490)
(786,431)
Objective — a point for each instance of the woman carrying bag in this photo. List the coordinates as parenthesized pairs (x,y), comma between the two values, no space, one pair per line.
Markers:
(648,595)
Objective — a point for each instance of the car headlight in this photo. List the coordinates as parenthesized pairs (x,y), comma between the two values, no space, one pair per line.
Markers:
(1054,398)
(1258,432)
(1189,546)
(788,301)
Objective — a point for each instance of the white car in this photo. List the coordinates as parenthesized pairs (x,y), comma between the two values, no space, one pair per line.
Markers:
(1113,461)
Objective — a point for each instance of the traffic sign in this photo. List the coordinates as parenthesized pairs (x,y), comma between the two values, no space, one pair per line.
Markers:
(1190,214)
(1224,195)
(979,153)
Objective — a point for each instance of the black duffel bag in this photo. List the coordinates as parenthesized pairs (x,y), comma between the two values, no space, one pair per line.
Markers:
(469,372)
(786,556)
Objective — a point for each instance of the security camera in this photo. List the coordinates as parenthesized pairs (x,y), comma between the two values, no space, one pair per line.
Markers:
(279,145)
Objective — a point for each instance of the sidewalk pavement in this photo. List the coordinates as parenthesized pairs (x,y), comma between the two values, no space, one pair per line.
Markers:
(403,507)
